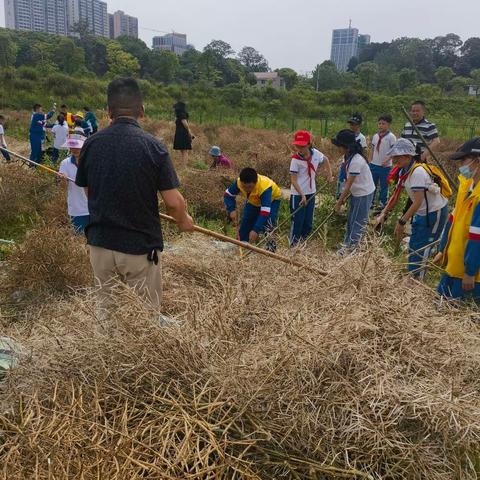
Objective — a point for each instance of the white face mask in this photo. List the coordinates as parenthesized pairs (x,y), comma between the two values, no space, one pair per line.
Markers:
(467,172)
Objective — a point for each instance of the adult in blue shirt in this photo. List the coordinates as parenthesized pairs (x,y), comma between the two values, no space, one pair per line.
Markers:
(37,132)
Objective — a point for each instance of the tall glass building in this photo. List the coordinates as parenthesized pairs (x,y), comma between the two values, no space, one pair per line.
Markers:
(346,44)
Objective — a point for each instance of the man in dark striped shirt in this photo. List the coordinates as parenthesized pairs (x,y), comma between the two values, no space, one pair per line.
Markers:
(426,128)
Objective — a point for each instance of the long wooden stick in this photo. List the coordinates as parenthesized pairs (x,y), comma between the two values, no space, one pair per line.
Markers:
(247,246)
(422,138)
(47,169)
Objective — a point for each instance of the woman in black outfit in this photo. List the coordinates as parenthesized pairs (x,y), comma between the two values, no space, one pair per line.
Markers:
(183,134)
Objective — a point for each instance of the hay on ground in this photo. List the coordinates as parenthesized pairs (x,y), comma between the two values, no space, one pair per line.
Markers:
(272,373)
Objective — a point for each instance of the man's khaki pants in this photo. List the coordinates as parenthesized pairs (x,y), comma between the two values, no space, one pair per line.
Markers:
(134,270)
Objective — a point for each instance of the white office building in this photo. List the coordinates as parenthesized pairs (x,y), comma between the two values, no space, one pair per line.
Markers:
(92,12)
(37,15)
(122,24)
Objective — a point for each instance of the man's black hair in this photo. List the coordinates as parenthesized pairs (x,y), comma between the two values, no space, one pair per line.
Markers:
(2,117)
(36,107)
(124,98)
(248,175)
(78,122)
(420,102)
(87,109)
(386,118)
(64,106)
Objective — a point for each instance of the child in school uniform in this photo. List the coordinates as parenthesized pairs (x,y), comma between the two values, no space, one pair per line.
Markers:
(459,250)
(358,185)
(3,142)
(303,170)
(380,162)
(76,198)
(261,210)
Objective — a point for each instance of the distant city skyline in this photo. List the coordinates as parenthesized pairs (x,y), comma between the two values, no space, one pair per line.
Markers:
(296,36)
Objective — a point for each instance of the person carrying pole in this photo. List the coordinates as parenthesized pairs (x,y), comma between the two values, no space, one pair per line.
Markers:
(357,184)
(37,132)
(459,250)
(77,203)
(122,169)
(261,209)
(303,170)
(428,193)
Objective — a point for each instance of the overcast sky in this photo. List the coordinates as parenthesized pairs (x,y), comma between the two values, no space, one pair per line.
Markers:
(297,33)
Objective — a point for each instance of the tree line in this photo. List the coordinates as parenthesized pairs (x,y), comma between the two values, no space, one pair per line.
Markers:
(444,63)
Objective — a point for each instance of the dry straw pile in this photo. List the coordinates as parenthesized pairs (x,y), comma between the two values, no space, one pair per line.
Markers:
(272,373)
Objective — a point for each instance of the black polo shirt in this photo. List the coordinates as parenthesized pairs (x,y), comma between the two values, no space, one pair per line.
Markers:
(124,168)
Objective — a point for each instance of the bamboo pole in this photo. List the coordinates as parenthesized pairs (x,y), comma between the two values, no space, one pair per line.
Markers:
(47,169)
(440,166)
(247,246)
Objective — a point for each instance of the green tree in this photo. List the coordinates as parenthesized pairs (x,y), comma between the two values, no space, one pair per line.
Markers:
(458,85)
(327,77)
(165,66)
(220,48)
(446,49)
(137,48)
(252,60)
(290,77)
(8,50)
(470,59)
(407,78)
(68,56)
(367,73)
(443,76)
(120,62)
(207,67)
(475,74)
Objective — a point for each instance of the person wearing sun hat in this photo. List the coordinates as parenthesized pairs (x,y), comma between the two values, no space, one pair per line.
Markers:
(77,202)
(219,159)
(303,171)
(459,250)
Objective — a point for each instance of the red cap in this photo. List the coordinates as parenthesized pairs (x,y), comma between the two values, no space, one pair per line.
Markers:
(302,138)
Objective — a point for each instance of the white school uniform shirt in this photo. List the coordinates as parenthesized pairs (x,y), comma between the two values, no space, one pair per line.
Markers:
(380,154)
(363,184)
(299,167)
(2,132)
(360,137)
(76,199)
(60,132)
(420,180)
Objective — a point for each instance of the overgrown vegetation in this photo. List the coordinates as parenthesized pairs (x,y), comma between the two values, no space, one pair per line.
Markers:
(219,86)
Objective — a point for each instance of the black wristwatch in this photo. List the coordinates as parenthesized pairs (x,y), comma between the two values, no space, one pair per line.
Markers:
(402,222)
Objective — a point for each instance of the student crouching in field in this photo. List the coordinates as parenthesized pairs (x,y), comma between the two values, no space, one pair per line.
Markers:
(358,185)
(428,209)
(77,201)
(261,210)
(380,162)
(303,170)
(460,245)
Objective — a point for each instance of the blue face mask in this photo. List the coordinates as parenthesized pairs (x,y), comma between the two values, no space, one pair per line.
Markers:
(466,171)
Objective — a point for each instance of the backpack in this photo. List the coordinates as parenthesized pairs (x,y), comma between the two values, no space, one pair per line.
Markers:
(437,177)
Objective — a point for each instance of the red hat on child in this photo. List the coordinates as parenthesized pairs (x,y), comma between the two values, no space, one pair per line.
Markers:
(302,139)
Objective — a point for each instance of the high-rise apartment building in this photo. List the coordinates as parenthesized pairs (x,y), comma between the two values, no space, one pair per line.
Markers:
(174,42)
(123,24)
(37,15)
(346,44)
(92,12)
